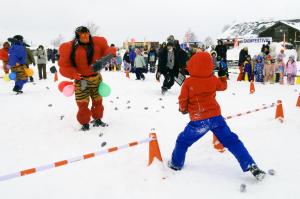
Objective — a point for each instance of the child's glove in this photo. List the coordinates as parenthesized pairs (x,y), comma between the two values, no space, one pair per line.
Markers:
(221,72)
(183,112)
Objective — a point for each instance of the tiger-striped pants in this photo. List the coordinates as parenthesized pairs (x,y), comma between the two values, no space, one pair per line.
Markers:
(85,89)
(21,77)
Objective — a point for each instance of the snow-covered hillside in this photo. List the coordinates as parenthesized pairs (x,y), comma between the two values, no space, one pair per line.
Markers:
(40,127)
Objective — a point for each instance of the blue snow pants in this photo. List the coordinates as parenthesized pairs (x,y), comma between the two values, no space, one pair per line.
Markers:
(19,84)
(196,129)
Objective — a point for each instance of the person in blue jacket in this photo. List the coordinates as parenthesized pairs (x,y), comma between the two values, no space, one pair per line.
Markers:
(259,70)
(17,59)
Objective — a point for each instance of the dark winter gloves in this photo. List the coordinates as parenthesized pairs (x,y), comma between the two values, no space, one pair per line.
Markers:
(221,72)
(101,63)
(183,111)
(53,70)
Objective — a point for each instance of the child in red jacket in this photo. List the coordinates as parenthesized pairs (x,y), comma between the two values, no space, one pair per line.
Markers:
(197,98)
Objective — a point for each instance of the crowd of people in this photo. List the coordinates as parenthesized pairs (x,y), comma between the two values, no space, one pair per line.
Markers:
(267,67)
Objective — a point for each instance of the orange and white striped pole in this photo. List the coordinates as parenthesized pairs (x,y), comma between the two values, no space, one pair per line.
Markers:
(219,146)
(152,140)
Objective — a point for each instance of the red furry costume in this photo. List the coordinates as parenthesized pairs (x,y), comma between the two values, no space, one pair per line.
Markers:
(82,70)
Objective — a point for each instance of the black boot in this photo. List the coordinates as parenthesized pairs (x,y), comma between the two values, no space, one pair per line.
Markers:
(98,122)
(85,127)
(257,172)
(17,90)
(171,166)
(163,90)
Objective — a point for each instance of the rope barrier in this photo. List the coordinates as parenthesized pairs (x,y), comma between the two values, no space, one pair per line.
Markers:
(73,160)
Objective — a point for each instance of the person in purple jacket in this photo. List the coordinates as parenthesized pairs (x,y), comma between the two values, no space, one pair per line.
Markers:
(16,60)
(132,56)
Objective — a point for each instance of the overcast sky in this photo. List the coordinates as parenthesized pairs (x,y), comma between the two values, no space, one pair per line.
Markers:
(41,21)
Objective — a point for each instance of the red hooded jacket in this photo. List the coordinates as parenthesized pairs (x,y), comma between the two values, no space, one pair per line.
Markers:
(83,68)
(4,54)
(198,92)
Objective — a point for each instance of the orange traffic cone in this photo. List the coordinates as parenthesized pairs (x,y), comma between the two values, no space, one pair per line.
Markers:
(55,77)
(127,74)
(217,144)
(298,102)
(252,89)
(279,111)
(154,151)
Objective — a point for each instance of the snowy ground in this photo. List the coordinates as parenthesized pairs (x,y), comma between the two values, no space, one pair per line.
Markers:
(33,134)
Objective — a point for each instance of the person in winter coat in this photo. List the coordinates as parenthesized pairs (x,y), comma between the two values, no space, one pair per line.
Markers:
(291,70)
(132,55)
(215,61)
(279,63)
(259,70)
(75,62)
(223,65)
(280,68)
(126,61)
(269,69)
(198,99)
(139,64)
(4,56)
(168,66)
(242,58)
(145,55)
(17,60)
(41,62)
(221,50)
(29,60)
(152,57)
(182,57)
(248,68)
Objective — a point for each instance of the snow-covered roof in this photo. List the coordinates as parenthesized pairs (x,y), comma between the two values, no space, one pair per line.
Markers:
(252,29)
(292,23)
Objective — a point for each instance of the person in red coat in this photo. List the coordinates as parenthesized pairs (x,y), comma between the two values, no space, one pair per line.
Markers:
(75,62)
(4,56)
(198,98)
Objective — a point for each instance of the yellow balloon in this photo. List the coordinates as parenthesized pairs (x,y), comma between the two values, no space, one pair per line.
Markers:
(29,72)
(6,78)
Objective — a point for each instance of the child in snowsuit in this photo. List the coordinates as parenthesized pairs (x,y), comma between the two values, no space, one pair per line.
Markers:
(17,59)
(248,68)
(279,69)
(197,98)
(269,70)
(259,70)
(139,64)
(4,56)
(291,70)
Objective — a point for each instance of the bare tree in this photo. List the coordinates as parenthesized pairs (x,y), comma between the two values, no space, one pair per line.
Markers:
(225,28)
(57,41)
(92,27)
(208,41)
(190,36)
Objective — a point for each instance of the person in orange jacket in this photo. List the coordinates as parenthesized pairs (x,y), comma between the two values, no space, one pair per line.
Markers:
(75,62)
(198,98)
(4,56)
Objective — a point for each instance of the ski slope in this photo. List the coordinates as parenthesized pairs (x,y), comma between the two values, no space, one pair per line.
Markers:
(40,127)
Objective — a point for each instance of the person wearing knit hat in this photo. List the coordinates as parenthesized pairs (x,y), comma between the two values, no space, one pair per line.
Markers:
(17,60)
(4,56)
(168,66)
(139,64)
(269,70)
(291,70)
(198,99)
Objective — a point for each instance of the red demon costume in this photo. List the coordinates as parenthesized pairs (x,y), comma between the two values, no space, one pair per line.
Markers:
(76,58)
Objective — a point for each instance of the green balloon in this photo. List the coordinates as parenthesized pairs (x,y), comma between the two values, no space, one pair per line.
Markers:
(104,89)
